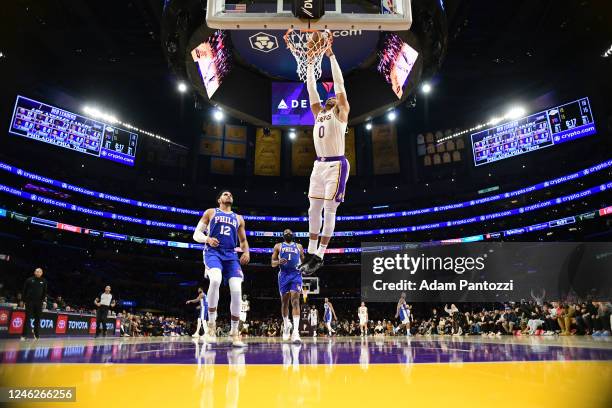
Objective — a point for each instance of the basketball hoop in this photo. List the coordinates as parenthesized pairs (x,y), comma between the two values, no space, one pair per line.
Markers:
(308,47)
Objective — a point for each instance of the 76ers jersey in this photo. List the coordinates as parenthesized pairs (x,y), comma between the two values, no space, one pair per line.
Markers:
(291,253)
(327,315)
(328,134)
(224,227)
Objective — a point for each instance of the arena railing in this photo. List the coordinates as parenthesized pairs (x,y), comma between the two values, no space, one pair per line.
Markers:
(541,226)
(268,218)
(383,231)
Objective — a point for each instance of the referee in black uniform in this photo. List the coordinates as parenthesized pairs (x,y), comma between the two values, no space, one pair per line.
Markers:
(34,294)
(103,303)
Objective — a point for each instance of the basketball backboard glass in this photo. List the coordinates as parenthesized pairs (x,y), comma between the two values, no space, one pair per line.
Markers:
(372,15)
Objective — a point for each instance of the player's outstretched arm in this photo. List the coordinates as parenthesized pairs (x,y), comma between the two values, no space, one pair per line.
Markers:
(301,248)
(196,300)
(313,94)
(245,258)
(340,91)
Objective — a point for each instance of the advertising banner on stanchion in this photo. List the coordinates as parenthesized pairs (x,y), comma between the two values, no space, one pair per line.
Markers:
(54,324)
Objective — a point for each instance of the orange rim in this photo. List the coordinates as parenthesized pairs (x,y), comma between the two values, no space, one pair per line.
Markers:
(307,30)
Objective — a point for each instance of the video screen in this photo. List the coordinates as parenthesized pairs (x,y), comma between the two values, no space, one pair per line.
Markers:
(543,129)
(49,124)
(213,59)
(290,104)
(396,60)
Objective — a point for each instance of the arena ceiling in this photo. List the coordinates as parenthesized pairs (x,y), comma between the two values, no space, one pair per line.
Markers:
(110,52)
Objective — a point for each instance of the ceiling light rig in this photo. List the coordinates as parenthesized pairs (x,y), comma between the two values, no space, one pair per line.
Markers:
(515,112)
(113,120)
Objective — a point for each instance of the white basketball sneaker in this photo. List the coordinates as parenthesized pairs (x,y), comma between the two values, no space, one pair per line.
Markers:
(211,336)
(286,331)
(236,340)
(295,337)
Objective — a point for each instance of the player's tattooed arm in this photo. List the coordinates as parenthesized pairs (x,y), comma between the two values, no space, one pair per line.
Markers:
(313,94)
(333,311)
(275,256)
(342,101)
(301,248)
(245,258)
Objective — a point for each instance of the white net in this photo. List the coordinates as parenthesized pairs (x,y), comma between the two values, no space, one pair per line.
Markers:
(308,47)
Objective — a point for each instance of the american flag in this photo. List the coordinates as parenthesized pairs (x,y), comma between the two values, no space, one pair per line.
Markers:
(235,8)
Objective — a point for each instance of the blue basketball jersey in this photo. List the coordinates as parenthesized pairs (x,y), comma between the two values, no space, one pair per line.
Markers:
(224,227)
(404,311)
(291,253)
(327,312)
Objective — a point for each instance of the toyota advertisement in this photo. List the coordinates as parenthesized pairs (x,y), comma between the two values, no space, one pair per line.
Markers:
(12,324)
(290,105)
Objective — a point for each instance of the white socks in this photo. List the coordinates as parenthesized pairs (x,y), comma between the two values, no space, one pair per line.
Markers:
(234,326)
(321,251)
(312,246)
(296,323)
(286,321)
(212,316)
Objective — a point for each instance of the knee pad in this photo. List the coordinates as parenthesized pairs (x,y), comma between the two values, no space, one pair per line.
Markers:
(214,277)
(314,216)
(235,285)
(329,223)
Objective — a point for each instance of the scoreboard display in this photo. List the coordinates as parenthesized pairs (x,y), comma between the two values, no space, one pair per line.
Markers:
(46,123)
(543,129)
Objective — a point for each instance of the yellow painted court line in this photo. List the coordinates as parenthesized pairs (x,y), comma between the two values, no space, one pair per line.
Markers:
(558,384)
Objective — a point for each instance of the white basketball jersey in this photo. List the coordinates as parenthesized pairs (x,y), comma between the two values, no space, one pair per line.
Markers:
(328,134)
(313,317)
(244,306)
(363,311)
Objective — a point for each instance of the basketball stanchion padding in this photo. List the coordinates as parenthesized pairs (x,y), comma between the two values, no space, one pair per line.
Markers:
(308,9)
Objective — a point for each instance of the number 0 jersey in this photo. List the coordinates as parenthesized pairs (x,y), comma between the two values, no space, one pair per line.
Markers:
(328,134)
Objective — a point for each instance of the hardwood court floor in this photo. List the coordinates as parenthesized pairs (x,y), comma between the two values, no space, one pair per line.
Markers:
(454,372)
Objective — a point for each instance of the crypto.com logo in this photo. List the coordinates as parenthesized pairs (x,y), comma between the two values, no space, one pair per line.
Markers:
(17,322)
(263,42)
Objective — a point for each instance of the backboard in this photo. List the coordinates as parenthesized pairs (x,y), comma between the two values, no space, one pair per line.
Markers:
(367,15)
(311,283)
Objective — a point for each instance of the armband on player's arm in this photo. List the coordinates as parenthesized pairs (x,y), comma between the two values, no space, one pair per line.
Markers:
(311,85)
(199,235)
(337,75)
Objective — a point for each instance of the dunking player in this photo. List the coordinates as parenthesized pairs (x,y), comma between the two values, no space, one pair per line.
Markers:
(220,229)
(328,315)
(331,169)
(288,255)
(362,312)
(403,312)
(201,312)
